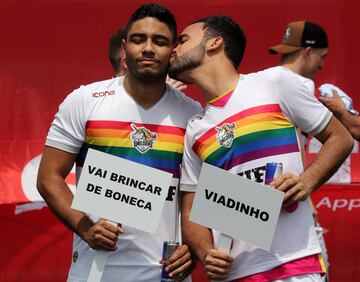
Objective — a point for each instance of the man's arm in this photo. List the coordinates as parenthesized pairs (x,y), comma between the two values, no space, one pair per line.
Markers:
(54,167)
(336,105)
(337,145)
(217,263)
(351,122)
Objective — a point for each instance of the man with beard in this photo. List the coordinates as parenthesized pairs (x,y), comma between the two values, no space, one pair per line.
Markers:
(105,115)
(263,111)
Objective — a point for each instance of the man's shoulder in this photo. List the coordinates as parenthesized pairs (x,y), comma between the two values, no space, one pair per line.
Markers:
(96,89)
(263,75)
(99,85)
(284,78)
(184,103)
(197,123)
(181,97)
(277,72)
(286,74)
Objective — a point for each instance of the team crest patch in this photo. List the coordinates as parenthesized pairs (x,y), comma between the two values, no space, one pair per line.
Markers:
(225,134)
(142,138)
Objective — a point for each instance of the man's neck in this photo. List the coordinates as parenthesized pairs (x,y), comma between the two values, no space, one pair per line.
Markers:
(292,62)
(293,67)
(215,79)
(145,93)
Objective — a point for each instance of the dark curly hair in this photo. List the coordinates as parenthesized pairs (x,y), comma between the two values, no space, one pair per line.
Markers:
(232,34)
(155,11)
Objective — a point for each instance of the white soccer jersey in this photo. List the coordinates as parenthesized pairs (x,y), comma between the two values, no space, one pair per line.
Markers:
(241,132)
(103,116)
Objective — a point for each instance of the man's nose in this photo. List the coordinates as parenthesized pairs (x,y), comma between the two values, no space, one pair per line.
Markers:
(148,47)
(175,47)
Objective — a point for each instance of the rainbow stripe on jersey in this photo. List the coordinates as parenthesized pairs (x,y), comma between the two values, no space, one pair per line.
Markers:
(114,137)
(258,132)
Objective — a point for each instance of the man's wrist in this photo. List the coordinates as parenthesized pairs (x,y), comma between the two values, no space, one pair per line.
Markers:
(83,227)
(308,181)
(341,113)
(204,252)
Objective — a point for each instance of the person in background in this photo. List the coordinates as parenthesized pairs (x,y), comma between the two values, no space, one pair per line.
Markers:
(303,50)
(115,52)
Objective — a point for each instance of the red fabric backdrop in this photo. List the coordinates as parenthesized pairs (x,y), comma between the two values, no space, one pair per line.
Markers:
(49,48)
(35,246)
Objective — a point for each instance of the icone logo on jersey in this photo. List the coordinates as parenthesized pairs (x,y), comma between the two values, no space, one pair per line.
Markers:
(143,139)
(103,94)
(225,134)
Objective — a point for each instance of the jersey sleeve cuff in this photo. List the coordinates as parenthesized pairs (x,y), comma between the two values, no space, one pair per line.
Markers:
(321,124)
(187,187)
(61,146)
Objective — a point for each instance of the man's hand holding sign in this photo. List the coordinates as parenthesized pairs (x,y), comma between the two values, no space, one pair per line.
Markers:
(102,235)
(235,206)
(122,191)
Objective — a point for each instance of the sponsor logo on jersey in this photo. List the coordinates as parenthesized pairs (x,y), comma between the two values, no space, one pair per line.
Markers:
(225,134)
(103,94)
(143,139)
(256,174)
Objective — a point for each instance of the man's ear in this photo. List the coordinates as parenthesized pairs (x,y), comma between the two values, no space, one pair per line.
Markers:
(306,51)
(123,48)
(123,55)
(215,43)
(123,61)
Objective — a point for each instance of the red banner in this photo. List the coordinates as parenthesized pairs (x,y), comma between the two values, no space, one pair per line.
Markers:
(349,172)
(339,213)
(47,51)
(35,246)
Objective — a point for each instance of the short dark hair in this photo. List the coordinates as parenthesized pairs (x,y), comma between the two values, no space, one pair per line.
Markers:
(233,35)
(154,11)
(114,52)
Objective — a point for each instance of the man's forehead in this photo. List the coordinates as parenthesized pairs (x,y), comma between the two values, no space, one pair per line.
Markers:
(321,51)
(150,25)
(194,29)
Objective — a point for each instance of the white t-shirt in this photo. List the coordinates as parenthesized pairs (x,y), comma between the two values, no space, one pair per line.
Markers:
(104,116)
(256,125)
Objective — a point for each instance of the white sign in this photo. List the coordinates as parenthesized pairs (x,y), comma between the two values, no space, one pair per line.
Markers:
(122,191)
(235,206)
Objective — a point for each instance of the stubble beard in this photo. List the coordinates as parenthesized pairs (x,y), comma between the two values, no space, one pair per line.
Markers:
(146,76)
(190,60)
